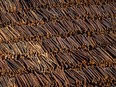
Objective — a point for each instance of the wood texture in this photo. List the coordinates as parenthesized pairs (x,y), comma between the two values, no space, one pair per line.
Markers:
(57,43)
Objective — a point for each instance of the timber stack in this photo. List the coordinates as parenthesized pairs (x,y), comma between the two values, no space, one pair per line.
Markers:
(57,43)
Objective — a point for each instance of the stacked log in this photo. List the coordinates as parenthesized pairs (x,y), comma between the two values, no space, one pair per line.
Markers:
(57,43)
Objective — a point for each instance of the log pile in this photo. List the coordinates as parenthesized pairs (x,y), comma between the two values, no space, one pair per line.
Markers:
(57,43)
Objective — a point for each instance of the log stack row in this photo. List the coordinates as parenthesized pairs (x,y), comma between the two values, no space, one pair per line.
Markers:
(57,43)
